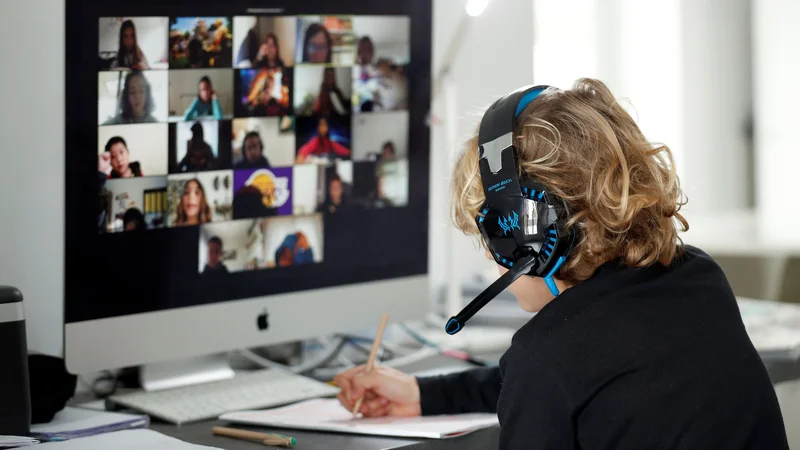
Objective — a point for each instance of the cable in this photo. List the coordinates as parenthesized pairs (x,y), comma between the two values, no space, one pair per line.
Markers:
(339,356)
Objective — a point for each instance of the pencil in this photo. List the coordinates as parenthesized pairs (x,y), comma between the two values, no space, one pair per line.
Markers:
(265,438)
(376,344)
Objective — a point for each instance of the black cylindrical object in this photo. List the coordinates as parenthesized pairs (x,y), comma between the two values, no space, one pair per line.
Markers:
(15,394)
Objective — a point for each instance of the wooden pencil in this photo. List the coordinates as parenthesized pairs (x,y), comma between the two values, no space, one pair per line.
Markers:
(373,354)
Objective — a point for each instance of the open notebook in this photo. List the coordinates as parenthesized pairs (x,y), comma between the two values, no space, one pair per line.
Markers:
(329,415)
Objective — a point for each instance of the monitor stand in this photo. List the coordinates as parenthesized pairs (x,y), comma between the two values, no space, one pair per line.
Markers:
(173,374)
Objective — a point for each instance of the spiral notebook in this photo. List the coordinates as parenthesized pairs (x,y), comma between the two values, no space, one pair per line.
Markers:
(329,415)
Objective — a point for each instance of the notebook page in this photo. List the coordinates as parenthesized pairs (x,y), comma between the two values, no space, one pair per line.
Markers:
(329,415)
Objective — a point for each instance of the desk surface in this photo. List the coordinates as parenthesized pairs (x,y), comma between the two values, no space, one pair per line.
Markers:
(200,433)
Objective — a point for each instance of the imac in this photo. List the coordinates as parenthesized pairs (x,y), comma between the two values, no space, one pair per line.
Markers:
(240,174)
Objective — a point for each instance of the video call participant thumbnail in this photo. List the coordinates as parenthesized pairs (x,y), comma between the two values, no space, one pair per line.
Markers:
(196,199)
(122,202)
(264,42)
(294,240)
(380,136)
(197,147)
(128,151)
(142,99)
(200,94)
(381,37)
(322,91)
(261,143)
(136,43)
(382,87)
(322,140)
(215,264)
(264,92)
(315,44)
(262,193)
(196,42)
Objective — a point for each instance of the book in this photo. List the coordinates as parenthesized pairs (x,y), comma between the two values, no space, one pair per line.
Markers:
(329,415)
(71,423)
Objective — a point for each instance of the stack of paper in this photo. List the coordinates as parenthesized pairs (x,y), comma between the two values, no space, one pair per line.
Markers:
(128,440)
(329,415)
(16,441)
(71,423)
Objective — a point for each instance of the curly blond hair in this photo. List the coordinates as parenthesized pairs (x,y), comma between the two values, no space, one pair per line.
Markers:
(622,191)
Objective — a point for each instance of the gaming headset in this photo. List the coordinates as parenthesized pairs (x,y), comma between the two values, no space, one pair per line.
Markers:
(522,224)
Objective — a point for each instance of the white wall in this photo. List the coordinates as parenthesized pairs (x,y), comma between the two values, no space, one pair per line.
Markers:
(496,58)
(345,171)
(183,89)
(279,148)
(388,34)
(111,84)
(280,227)
(147,144)
(152,34)
(32,242)
(371,130)
(776,40)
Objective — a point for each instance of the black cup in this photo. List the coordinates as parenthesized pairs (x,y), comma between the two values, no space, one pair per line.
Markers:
(15,394)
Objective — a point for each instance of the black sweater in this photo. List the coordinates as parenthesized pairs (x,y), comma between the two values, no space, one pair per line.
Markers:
(654,358)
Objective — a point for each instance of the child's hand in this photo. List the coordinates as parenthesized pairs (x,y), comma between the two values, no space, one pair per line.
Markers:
(104,163)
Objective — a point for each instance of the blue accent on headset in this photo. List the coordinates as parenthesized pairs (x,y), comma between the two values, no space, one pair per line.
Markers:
(526,100)
(510,264)
(541,194)
(548,279)
(553,232)
(480,219)
(453,325)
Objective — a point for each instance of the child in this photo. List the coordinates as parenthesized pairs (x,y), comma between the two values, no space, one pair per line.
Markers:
(642,347)
(206,104)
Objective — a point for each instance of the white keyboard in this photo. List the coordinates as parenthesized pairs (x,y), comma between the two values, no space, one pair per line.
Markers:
(248,390)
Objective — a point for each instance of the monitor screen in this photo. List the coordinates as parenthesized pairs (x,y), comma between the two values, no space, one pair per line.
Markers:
(218,153)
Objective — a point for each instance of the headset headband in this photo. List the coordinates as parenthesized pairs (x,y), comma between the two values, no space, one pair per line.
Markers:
(498,162)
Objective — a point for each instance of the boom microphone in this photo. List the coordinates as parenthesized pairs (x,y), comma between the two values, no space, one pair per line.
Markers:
(456,323)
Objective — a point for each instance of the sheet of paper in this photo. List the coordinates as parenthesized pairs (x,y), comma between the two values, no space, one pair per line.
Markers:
(329,415)
(16,441)
(72,419)
(124,440)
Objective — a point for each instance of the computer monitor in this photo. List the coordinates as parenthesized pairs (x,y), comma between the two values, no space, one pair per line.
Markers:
(214,159)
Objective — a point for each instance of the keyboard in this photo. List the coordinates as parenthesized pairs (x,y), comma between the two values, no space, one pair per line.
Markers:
(258,389)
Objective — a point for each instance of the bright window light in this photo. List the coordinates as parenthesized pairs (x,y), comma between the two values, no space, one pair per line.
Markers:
(476,7)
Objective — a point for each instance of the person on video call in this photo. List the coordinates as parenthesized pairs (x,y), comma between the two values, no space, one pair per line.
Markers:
(334,197)
(317,45)
(115,161)
(206,104)
(294,250)
(193,206)
(214,264)
(261,100)
(133,220)
(253,153)
(199,155)
(321,146)
(269,54)
(331,100)
(365,52)
(135,103)
(643,347)
(129,55)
